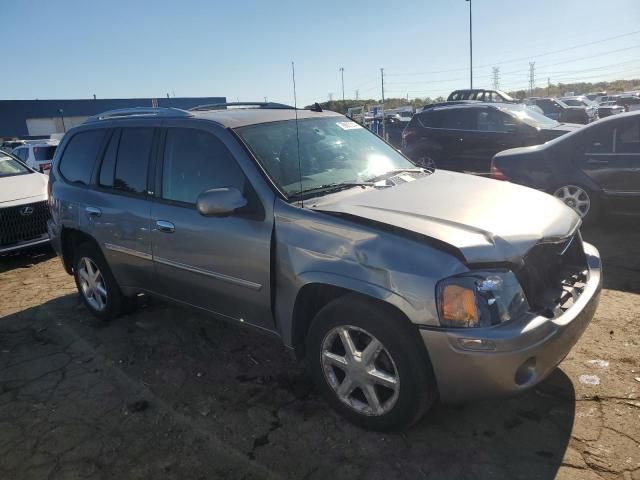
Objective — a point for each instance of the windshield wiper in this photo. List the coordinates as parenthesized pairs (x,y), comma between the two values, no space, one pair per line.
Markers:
(330,188)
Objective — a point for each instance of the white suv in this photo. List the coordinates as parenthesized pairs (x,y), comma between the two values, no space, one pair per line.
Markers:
(37,154)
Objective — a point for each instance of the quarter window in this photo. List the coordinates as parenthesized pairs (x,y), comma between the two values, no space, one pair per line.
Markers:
(196,161)
(628,138)
(79,156)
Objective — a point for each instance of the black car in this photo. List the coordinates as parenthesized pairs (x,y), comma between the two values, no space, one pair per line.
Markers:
(593,170)
(606,109)
(560,111)
(463,137)
(480,94)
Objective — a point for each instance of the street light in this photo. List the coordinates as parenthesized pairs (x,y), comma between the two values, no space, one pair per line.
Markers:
(470,47)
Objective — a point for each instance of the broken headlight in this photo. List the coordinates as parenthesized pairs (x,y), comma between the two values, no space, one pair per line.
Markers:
(480,299)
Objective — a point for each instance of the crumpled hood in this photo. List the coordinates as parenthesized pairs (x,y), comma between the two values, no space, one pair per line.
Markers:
(19,187)
(486,220)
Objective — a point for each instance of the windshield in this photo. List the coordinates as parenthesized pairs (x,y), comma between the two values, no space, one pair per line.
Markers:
(529,116)
(10,166)
(572,102)
(333,150)
(44,153)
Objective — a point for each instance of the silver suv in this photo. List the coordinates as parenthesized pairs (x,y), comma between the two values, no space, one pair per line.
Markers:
(398,285)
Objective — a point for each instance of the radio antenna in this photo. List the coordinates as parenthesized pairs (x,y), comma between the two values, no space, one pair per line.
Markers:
(295,109)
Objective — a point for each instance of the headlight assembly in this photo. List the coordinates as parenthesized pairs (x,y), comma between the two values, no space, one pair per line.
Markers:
(480,299)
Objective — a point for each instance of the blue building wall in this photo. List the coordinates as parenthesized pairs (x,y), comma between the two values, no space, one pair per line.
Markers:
(14,113)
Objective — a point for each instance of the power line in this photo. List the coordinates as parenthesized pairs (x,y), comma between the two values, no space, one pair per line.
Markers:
(553,52)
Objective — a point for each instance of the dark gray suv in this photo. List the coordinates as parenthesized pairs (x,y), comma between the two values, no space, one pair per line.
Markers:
(397,284)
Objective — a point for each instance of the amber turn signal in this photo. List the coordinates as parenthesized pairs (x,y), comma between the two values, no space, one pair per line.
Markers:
(459,306)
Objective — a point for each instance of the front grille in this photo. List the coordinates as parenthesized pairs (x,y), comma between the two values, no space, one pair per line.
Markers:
(547,270)
(18,225)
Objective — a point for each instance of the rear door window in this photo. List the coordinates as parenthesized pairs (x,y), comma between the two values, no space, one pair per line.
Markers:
(430,119)
(459,119)
(132,160)
(628,138)
(196,161)
(79,156)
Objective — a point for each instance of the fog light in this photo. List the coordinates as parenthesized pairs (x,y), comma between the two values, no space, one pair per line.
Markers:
(476,344)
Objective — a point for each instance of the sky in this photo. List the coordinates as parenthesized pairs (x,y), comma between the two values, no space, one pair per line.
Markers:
(241,49)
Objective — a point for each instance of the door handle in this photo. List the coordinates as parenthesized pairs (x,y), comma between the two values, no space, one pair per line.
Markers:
(164,226)
(596,161)
(93,211)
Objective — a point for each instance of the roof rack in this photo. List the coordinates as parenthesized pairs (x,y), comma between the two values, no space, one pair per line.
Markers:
(222,106)
(140,112)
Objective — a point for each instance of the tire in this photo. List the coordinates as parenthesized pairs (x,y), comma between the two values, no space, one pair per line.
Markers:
(402,357)
(566,191)
(106,303)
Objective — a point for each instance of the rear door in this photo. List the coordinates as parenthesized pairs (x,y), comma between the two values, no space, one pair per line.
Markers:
(218,263)
(121,208)
(612,159)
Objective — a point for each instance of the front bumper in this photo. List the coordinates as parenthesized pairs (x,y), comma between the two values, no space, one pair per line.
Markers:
(525,351)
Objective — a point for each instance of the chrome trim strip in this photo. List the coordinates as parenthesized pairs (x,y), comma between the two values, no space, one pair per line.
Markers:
(220,276)
(29,243)
(612,154)
(128,251)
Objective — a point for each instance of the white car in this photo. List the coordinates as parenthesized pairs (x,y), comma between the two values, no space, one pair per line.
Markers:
(37,154)
(23,205)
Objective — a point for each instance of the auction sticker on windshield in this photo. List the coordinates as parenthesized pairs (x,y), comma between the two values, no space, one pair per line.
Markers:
(348,125)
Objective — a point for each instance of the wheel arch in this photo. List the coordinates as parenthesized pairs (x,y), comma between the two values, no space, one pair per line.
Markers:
(317,293)
(70,238)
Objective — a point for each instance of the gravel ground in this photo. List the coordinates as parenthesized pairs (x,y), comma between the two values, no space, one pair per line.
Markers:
(168,393)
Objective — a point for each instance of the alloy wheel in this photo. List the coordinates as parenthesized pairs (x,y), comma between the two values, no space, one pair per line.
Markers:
(360,370)
(92,284)
(575,197)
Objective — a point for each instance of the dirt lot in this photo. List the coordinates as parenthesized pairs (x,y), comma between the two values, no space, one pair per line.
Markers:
(167,393)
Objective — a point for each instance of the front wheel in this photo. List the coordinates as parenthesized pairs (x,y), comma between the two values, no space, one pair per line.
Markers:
(370,364)
(581,200)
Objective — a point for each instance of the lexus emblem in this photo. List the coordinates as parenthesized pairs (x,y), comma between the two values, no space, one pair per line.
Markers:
(24,211)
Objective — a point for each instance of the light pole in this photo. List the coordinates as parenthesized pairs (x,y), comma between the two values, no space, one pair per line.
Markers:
(470,47)
(61,112)
(342,78)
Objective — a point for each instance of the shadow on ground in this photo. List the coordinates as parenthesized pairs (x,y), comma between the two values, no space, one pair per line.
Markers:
(618,240)
(189,373)
(25,258)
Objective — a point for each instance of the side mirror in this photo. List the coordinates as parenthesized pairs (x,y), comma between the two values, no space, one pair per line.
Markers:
(220,201)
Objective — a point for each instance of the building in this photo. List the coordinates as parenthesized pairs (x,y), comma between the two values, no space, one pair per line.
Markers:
(41,118)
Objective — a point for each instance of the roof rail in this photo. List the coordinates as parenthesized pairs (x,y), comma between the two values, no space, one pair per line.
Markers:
(223,106)
(140,112)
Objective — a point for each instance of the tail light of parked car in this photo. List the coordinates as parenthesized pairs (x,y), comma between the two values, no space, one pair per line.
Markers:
(496,173)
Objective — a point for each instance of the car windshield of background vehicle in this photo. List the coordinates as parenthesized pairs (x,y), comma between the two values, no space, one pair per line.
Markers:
(332,150)
(573,103)
(44,153)
(529,116)
(10,167)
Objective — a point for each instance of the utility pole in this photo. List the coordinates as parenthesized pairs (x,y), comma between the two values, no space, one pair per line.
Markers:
(496,78)
(548,85)
(357,94)
(384,132)
(532,76)
(265,100)
(330,97)
(470,47)
(342,78)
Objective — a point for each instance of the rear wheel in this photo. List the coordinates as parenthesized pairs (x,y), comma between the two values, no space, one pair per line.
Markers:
(581,200)
(370,364)
(98,288)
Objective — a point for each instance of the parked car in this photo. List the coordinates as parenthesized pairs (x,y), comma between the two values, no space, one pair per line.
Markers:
(37,154)
(23,205)
(481,95)
(606,98)
(594,170)
(398,285)
(560,111)
(465,137)
(593,96)
(582,101)
(629,103)
(10,145)
(606,109)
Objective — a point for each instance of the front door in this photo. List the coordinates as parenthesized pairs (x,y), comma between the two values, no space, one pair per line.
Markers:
(612,160)
(221,264)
